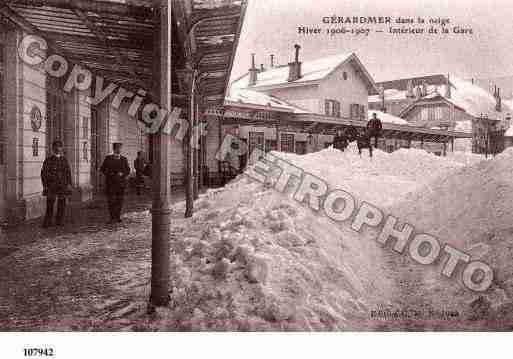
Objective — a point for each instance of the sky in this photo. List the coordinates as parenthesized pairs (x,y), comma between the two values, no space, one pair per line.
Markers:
(270,27)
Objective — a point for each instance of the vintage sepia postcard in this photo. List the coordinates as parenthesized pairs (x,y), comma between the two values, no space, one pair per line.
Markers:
(255,166)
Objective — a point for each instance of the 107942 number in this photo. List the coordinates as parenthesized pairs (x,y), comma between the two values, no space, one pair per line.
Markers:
(38,352)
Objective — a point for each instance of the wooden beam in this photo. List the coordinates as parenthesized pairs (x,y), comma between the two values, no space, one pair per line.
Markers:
(137,44)
(220,12)
(102,37)
(99,7)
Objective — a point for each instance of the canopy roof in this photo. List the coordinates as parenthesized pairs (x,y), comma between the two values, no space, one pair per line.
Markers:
(116,38)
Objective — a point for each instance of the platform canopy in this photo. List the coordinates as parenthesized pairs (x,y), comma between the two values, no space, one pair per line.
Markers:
(115,38)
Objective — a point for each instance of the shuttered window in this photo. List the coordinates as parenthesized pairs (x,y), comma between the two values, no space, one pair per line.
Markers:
(358,112)
(332,108)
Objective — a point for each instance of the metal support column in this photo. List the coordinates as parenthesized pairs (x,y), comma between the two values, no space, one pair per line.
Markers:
(196,150)
(189,155)
(161,170)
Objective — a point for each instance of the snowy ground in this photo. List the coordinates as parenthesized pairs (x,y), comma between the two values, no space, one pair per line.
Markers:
(255,259)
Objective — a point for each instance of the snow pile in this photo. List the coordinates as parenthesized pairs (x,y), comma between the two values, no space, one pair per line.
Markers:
(254,259)
(509,132)
(381,180)
(261,261)
(472,209)
(467,205)
(466,158)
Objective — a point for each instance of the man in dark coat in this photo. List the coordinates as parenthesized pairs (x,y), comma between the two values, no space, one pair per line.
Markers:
(374,128)
(116,170)
(352,133)
(139,166)
(56,179)
(340,141)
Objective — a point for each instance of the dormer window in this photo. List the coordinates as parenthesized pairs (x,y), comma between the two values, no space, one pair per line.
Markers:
(332,108)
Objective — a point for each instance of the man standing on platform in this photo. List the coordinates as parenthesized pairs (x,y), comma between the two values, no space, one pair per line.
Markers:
(56,179)
(116,170)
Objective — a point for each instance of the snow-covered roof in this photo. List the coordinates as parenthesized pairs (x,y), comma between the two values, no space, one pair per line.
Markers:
(249,97)
(475,100)
(390,95)
(469,97)
(509,105)
(311,71)
(387,118)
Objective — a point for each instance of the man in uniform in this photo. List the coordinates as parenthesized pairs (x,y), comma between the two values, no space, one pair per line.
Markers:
(116,170)
(56,179)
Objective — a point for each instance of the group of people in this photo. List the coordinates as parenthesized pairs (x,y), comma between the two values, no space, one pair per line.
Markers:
(56,180)
(363,140)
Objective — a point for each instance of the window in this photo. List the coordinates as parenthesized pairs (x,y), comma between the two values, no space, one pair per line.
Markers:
(424,114)
(85,151)
(35,147)
(256,140)
(85,127)
(344,75)
(287,142)
(358,112)
(332,108)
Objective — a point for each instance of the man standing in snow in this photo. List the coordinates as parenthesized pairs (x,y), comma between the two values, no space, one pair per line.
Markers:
(56,179)
(116,170)
(340,141)
(374,128)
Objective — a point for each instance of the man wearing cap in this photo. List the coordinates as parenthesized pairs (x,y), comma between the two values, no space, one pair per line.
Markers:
(56,179)
(116,170)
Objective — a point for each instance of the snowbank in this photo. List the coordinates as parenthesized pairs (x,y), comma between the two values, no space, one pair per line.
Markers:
(261,261)
(472,209)
(258,260)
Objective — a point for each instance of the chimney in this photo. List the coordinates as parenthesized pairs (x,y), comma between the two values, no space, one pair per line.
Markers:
(382,98)
(295,67)
(409,89)
(418,92)
(498,105)
(424,88)
(448,93)
(253,71)
(272,61)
